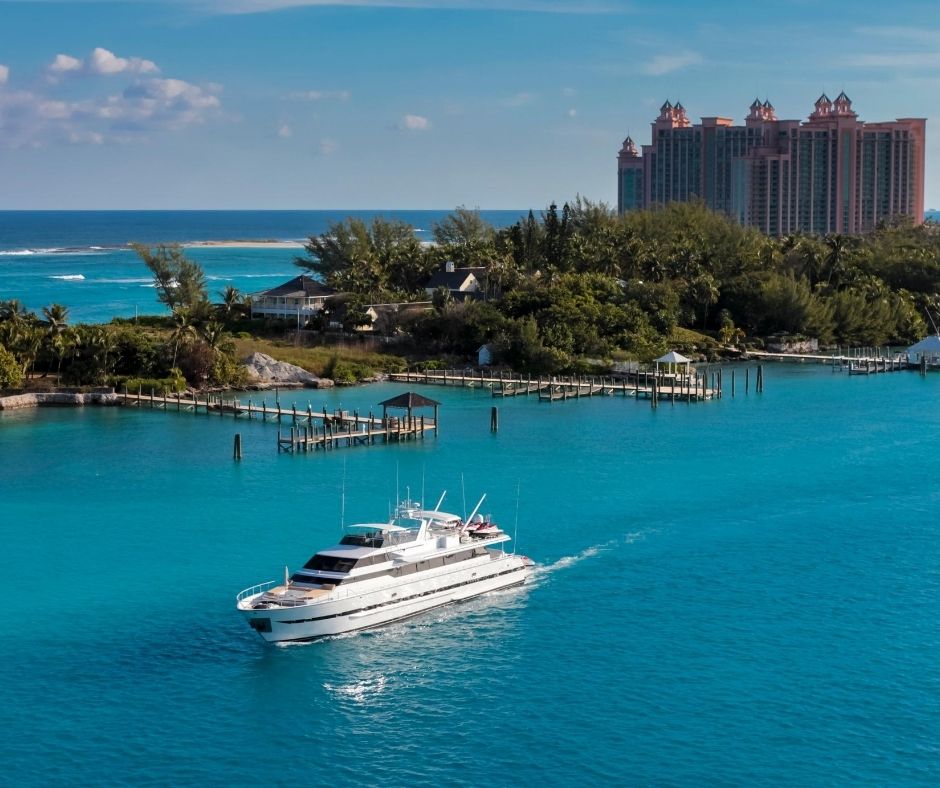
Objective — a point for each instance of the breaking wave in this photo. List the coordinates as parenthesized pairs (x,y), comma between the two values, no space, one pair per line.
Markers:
(69,277)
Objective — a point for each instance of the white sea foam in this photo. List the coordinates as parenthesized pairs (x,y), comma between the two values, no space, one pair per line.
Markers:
(359,691)
(55,250)
(69,277)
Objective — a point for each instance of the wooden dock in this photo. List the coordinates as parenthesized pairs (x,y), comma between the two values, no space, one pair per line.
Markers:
(858,361)
(654,386)
(309,429)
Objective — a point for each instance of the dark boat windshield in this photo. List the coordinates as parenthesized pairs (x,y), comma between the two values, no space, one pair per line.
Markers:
(379,539)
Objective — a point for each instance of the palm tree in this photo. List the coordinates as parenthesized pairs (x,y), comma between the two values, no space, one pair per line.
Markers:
(838,245)
(232,300)
(57,321)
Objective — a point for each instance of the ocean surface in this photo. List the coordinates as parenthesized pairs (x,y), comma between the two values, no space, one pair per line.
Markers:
(741,592)
(80,258)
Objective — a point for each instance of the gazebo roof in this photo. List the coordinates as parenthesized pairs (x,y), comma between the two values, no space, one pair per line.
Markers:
(409,400)
(673,358)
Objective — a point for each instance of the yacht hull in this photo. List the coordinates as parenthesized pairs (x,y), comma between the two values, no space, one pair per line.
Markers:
(380,606)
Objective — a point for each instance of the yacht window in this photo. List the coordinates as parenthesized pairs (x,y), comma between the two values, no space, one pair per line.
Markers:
(369,539)
(407,569)
(329,563)
(313,581)
(437,562)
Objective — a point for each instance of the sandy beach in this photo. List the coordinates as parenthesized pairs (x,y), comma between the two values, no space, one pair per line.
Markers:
(247,244)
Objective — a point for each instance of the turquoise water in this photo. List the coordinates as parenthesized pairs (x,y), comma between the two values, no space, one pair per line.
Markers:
(115,283)
(741,592)
(80,259)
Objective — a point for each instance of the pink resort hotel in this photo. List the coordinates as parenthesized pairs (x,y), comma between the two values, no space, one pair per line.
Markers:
(830,174)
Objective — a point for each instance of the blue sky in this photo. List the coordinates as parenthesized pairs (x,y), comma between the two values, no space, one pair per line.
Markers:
(413,103)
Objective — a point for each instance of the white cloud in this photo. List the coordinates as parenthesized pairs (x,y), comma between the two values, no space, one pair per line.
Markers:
(285,132)
(100,62)
(923,34)
(85,137)
(4,74)
(518,100)
(320,95)
(666,64)
(63,64)
(533,6)
(569,92)
(414,123)
(927,60)
(572,113)
(327,146)
(161,103)
(142,105)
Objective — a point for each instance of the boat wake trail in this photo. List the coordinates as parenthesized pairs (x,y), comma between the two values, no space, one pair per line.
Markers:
(567,561)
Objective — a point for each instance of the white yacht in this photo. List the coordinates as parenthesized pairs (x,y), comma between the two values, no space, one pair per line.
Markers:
(383,572)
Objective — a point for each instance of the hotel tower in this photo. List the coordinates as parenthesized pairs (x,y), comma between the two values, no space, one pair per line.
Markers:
(829,174)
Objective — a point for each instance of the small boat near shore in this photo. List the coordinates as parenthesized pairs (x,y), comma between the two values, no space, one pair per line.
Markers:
(384,572)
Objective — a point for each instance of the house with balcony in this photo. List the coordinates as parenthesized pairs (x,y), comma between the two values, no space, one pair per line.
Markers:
(300,298)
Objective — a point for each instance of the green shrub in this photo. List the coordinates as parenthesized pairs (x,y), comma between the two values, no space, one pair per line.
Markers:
(11,374)
(159,386)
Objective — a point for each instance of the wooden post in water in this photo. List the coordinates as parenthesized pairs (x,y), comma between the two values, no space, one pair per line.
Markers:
(494,419)
(747,380)
(732,382)
(237,450)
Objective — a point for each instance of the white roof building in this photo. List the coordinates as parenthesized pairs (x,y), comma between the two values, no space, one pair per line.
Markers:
(928,348)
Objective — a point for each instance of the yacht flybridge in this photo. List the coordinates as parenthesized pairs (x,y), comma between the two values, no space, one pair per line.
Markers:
(383,572)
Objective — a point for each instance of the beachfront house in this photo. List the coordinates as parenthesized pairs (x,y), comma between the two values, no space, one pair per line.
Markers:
(484,355)
(300,298)
(461,283)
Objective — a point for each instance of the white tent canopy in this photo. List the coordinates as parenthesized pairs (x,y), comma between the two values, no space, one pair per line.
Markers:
(930,344)
(928,348)
(673,358)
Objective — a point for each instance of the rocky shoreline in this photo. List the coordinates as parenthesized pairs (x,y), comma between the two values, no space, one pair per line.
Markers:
(35,399)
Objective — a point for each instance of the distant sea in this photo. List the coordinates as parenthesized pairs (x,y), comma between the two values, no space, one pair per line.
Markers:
(80,258)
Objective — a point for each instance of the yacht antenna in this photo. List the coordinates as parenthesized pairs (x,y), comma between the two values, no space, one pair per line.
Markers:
(342,500)
(930,318)
(515,532)
(423,469)
(463,490)
(397,493)
(440,501)
(477,508)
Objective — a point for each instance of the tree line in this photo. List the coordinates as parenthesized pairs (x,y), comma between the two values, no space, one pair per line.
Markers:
(558,288)
(583,282)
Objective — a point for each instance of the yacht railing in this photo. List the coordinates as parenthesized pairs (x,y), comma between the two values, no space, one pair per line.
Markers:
(255,589)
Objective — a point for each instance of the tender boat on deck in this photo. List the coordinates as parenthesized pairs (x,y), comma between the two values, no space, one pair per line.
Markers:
(384,572)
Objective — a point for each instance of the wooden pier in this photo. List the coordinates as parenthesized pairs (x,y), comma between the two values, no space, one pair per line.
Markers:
(309,429)
(856,361)
(654,386)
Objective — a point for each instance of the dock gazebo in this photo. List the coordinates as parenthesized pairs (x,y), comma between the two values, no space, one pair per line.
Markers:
(673,361)
(409,402)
